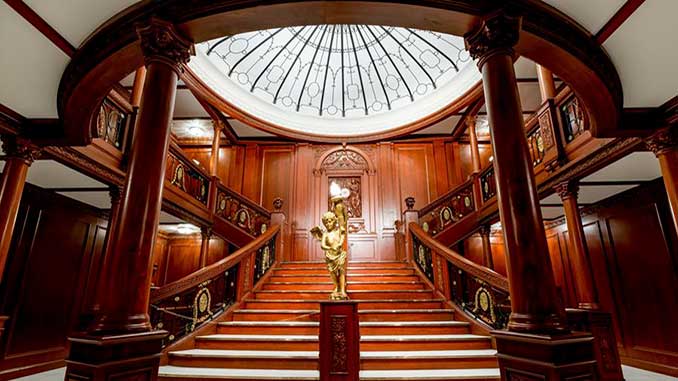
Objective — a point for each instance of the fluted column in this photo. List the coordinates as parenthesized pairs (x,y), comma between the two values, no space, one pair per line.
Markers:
(534,309)
(205,235)
(214,156)
(125,305)
(664,145)
(547,86)
(488,261)
(473,137)
(20,154)
(579,254)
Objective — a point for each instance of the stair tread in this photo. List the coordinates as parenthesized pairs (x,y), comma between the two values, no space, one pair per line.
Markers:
(349,291)
(399,311)
(364,323)
(403,338)
(355,282)
(354,300)
(435,354)
(303,375)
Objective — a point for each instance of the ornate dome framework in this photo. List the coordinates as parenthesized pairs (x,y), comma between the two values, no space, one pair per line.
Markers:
(314,79)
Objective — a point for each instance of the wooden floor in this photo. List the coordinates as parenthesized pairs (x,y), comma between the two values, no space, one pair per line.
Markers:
(406,332)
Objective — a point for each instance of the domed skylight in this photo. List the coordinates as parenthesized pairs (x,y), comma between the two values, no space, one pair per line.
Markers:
(315,78)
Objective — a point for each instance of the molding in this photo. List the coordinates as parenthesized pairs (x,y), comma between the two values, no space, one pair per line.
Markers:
(11,122)
(42,26)
(75,159)
(618,19)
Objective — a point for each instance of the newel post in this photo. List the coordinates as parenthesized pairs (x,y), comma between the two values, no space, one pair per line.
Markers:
(409,215)
(538,344)
(278,218)
(339,341)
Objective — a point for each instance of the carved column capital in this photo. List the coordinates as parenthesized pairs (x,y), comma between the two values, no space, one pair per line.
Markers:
(115,193)
(161,42)
(15,147)
(498,33)
(206,232)
(485,230)
(663,141)
(567,189)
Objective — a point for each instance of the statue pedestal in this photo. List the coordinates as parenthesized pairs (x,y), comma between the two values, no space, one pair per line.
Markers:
(339,341)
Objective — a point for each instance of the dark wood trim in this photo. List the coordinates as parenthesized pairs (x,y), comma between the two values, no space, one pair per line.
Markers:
(618,19)
(11,122)
(611,182)
(81,189)
(42,26)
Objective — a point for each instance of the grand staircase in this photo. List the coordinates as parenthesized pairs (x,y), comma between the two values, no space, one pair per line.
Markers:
(406,332)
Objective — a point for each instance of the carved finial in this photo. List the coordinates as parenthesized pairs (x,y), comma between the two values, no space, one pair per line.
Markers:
(160,41)
(498,33)
(409,202)
(16,147)
(567,189)
(277,204)
(663,141)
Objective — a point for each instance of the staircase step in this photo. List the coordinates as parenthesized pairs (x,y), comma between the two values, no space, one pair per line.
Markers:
(350,277)
(367,342)
(256,304)
(219,358)
(366,328)
(353,285)
(353,294)
(350,265)
(276,315)
(170,372)
(446,359)
(351,271)
(406,315)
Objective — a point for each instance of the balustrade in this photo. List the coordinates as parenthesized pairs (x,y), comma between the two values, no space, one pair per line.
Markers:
(243,213)
(112,123)
(187,176)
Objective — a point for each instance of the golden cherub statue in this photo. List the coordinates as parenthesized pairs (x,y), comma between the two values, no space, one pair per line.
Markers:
(332,242)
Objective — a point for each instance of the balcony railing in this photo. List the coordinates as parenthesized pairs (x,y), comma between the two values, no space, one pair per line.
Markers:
(187,176)
(242,212)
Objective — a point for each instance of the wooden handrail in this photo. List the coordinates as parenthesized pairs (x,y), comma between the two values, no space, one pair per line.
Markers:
(483,273)
(449,194)
(245,200)
(177,151)
(213,270)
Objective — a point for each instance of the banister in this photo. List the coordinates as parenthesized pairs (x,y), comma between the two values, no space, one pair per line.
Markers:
(245,200)
(177,151)
(440,200)
(483,273)
(213,270)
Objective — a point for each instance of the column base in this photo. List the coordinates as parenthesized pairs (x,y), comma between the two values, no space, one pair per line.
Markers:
(3,319)
(530,357)
(127,357)
(599,323)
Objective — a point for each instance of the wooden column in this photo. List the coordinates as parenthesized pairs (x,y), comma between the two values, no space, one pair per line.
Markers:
(538,344)
(120,342)
(214,156)
(20,154)
(664,144)
(473,137)
(579,253)
(205,234)
(547,86)
(488,261)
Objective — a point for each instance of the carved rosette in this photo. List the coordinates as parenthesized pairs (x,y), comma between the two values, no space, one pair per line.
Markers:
(161,42)
(663,141)
(567,189)
(20,148)
(497,34)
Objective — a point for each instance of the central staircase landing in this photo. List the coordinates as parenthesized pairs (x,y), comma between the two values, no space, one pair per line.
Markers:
(407,333)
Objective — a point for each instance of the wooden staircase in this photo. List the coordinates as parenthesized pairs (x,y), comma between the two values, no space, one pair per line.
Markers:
(406,332)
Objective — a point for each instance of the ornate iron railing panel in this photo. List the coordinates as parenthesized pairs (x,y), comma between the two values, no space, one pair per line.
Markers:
(184,312)
(423,258)
(448,209)
(241,212)
(263,260)
(488,185)
(535,143)
(186,176)
(572,118)
(111,124)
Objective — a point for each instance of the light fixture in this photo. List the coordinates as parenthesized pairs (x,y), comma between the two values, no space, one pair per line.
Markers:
(187,229)
(194,128)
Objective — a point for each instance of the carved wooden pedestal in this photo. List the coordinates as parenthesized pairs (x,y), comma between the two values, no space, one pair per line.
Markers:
(599,323)
(530,357)
(130,357)
(339,341)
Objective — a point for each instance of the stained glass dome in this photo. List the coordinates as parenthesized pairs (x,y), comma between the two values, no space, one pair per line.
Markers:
(316,78)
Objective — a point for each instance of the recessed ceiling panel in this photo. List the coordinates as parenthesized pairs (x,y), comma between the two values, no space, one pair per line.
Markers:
(337,80)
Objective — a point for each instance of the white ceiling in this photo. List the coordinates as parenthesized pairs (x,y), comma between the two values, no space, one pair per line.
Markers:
(592,15)
(644,51)
(31,67)
(187,106)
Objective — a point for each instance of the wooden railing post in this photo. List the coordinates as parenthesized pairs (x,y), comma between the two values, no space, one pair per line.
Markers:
(279,218)
(410,215)
(339,341)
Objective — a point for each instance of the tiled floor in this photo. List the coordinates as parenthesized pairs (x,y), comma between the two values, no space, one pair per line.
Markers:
(631,374)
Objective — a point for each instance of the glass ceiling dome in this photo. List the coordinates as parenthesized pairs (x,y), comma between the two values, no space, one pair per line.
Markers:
(337,80)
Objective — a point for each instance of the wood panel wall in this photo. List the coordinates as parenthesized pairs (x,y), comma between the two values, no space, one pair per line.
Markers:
(176,256)
(425,168)
(633,256)
(50,274)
